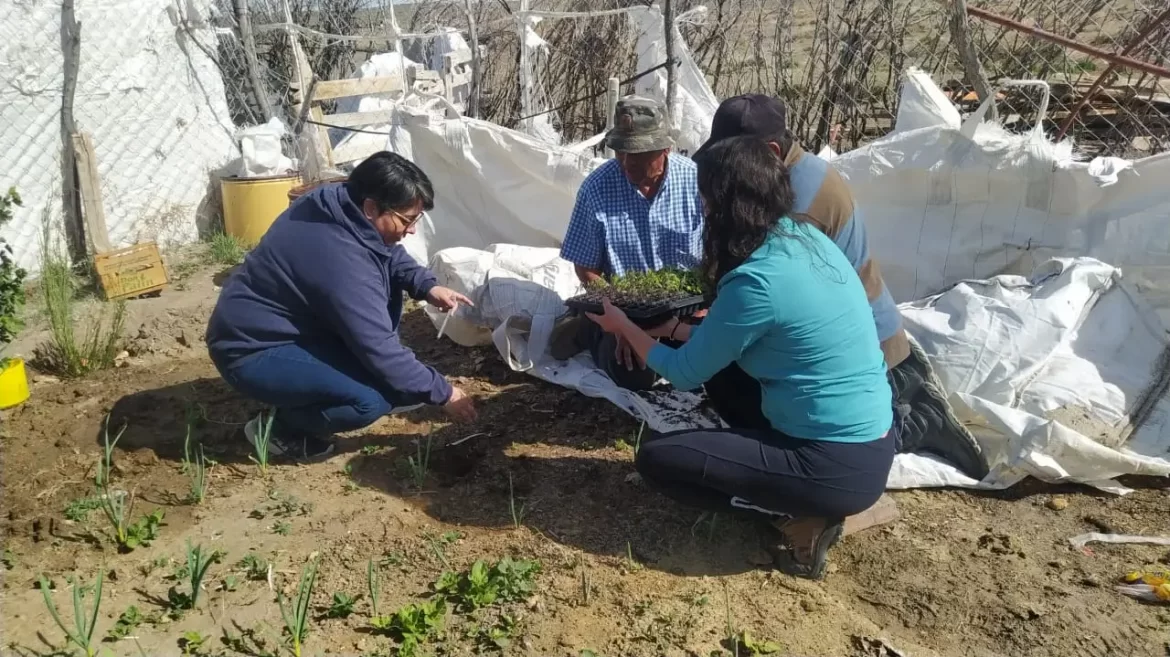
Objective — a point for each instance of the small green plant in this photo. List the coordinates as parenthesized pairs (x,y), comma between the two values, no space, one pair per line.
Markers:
(263,437)
(296,616)
(744,644)
(65,353)
(662,284)
(638,438)
(198,563)
(497,637)
(11,277)
(84,621)
(370,450)
(286,505)
(341,605)
(483,585)
(419,464)
(374,587)
(255,567)
(282,527)
(118,506)
(78,510)
(8,558)
(191,643)
(226,249)
(127,622)
(517,513)
(412,625)
(229,583)
(198,472)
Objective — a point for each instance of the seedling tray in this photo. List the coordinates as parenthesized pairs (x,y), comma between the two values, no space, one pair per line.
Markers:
(642,312)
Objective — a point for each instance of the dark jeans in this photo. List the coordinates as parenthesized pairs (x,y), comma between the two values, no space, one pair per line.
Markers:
(317,390)
(753,465)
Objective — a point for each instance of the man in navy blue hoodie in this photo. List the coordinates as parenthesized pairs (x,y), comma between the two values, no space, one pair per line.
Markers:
(309,323)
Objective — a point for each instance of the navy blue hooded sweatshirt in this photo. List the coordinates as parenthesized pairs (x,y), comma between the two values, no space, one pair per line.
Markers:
(322,272)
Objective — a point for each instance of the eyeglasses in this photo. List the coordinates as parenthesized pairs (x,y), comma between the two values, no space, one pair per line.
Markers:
(407,222)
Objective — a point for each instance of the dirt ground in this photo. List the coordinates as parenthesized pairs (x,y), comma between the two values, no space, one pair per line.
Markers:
(545,475)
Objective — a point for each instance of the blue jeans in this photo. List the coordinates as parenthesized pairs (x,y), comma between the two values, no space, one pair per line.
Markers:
(317,390)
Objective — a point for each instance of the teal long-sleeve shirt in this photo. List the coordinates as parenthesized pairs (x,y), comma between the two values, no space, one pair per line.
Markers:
(795,317)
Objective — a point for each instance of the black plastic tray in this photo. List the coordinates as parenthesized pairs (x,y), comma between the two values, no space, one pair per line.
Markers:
(646,315)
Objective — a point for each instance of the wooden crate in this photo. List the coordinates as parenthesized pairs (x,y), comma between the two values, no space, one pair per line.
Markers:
(130,272)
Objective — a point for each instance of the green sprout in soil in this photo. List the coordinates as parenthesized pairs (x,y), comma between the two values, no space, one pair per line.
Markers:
(226,249)
(374,587)
(282,527)
(419,464)
(191,643)
(198,563)
(198,471)
(255,567)
(296,616)
(497,637)
(78,510)
(412,625)
(483,585)
(517,513)
(263,438)
(341,605)
(127,622)
(84,621)
(229,583)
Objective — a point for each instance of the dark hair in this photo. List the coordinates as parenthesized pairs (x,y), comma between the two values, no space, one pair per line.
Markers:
(391,181)
(746,190)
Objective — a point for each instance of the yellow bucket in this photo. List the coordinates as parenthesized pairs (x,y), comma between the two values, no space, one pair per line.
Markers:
(13,384)
(250,205)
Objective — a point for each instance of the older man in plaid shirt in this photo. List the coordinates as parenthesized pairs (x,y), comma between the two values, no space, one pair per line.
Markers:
(640,211)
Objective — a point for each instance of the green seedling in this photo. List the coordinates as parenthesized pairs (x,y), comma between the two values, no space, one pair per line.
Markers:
(495,638)
(198,563)
(374,587)
(286,505)
(341,606)
(412,625)
(106,466)
(370,450)
(127,622)
(419,464)
(282,527)
(198,470)
(664,283)
(483,585)
(84,621)
(255,567)
(78,510)
(296,616)
(517,513)
(229,583)
(186,463)
(745,644)
(263,438)
(191,643)
(638,438)
(8,559)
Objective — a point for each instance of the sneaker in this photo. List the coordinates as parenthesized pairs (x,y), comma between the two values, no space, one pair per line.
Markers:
(301,448)
(929,424)
(800,546)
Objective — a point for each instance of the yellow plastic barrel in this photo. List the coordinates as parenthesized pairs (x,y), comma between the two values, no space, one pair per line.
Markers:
(13,383)
(250,205)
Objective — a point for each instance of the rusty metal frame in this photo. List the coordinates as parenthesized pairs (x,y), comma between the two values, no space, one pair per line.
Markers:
(1100,82)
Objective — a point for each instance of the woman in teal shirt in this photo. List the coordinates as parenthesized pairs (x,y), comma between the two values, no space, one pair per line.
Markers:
(791,324)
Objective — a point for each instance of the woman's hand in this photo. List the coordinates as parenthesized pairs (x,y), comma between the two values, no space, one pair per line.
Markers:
(444,298)
(459,406)
(612,320)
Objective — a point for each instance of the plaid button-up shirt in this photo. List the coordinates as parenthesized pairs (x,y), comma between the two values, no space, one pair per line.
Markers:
(615,230)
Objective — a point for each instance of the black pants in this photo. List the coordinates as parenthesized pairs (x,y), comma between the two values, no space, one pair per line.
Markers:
(753,468)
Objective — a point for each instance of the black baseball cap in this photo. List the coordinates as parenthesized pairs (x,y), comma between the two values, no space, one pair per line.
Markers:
(748,114)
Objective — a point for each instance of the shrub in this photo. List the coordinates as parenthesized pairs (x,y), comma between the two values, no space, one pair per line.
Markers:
(11,276)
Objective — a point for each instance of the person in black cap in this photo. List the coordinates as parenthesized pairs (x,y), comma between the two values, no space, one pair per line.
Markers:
(823,197)
(638,212)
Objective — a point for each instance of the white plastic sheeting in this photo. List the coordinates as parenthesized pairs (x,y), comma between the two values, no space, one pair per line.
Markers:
(153,102)
(1047,368)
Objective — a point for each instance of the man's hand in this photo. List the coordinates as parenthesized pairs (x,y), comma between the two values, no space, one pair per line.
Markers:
(625,354)
(460,407)
(444,298)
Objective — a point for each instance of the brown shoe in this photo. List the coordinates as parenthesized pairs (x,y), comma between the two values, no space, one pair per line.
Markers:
(803,545)
(564,342)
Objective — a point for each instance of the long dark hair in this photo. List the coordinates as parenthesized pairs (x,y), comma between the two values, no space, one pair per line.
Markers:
(746,192)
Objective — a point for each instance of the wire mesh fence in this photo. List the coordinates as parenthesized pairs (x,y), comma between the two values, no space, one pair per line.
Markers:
(543,66)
